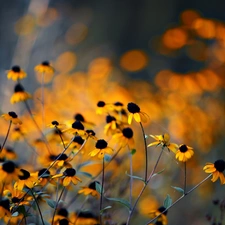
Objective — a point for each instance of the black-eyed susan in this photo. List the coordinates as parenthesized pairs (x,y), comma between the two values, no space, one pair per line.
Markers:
(45,67)
(20,94)
(56,124)
(184,153)
(77,128)
(61,215)
(84,217)
(216,169)
(91,134)
(80,117)
(4,208)
(7,153)
(90,190)
(111,125)
(162,219)
(125,138)
(101,108)
(78,141)
(61,160)
(43,176)
(12,116)
(164,140)
(18,133)
(16,73)
(101,148)
(135,112)
(25,180)
(68,177)
(9,172)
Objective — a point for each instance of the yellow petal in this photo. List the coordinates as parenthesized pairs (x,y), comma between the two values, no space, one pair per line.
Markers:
(66,181)
(130,117)
(137,117)
(215,176)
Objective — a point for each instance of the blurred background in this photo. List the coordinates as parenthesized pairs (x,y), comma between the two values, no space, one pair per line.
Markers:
(167,56)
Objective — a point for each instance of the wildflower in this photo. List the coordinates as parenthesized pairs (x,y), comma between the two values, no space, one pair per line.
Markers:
(9,172)
(80,117)
(84,217)
(91,134)
(16,73)
(12,116)
(7,153)
(78,141)
(164,140)
(101,148)
(25,180)
(216,169)
(101,108)
(44,67)
(60,160)
(77,128)
(19,94)
(162,219)
(125,137)
(135,112)
(184,153)
(4,208)
(17,133)
(111,125)
(90,190)
(61,215)
(68,176)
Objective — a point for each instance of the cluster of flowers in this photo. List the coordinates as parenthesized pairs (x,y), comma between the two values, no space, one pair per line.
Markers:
(21,189)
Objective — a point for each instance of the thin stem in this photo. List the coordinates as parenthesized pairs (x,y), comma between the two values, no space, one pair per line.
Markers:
(145,185)
(185,177)
(59,133)
(184,195)
(56,205)
(146,153)
(39,210)
(101,199)
(6,137)
(80,208)
(43,101)
(131,173)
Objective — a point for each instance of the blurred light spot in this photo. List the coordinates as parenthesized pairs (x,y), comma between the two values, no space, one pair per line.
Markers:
(174,38)
(197,50)
(145,207)
(174,82)
(162,78)
(188,17)
(134,60)
(220,32)
(66,62)
(25,25)
(47,77)
(76,33)
(48,17)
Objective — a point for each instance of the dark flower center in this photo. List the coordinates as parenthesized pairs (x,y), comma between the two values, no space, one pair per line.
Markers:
(79,117)
(109,119)
(63,212)
(5,204)
(45,63)
(63,222)
(78,125)
(118,104)
(69,172)
(92,185)
(86,214)
(43,171)
(183,148)
(61,157)
(55,123)
(16,69)
(13,114)
(162,209)
(158,223)
(220,165)
(101,104)
(101,144)
(25,175)
(9,166)
(9,150)
(127,132)
(78,139)
(52,157)
(19,88)
(133,108)
(16,200)
(90,132)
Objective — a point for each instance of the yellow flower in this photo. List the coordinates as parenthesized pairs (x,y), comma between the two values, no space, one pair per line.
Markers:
(101,108)
(16,73)
(184,153)
(111,125)
(101,148)
(8,153)
(4,208)
(216,169)
(84,218)
(77,128)
(68,176)
(19,94)
(164,140)
(90,190)
(12,116)
(135,112)
(44,67)
(162,219)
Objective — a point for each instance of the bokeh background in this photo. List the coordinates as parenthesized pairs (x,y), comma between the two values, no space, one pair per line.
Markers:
(167,56)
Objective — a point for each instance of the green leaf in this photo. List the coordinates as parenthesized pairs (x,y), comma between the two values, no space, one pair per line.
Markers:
(167,202)
(178,189)
(135,177)
(98,187)
(107,207)
(158,172)
(121,201)
(21,210)
(51,203)
(133,151)
(85,174)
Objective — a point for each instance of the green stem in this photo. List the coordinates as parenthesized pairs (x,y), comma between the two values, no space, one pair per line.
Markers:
(131,178)
(185,177)
(7,135)
(101,199)
(43,101)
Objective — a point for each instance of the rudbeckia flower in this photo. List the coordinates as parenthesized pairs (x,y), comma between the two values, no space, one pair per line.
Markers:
(19,94)
(44,67)
(90,190)
(135,112)
(68,176)
(164,140)
(184,153)
(77,128)
(16,73)
(111,125)
(12,116)
(125,138)
(101,108)
(101,148)
(7,153)
(4,208)
(61,160)
(162,219)
(217,170)
(61,216)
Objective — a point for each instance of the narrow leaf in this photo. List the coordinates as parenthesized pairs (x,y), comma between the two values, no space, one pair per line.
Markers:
(107,207)
(121,201)
(178,189)
(51,203)
(158,172)
(135,177)
(98,187)
(167,202)
(133,151)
